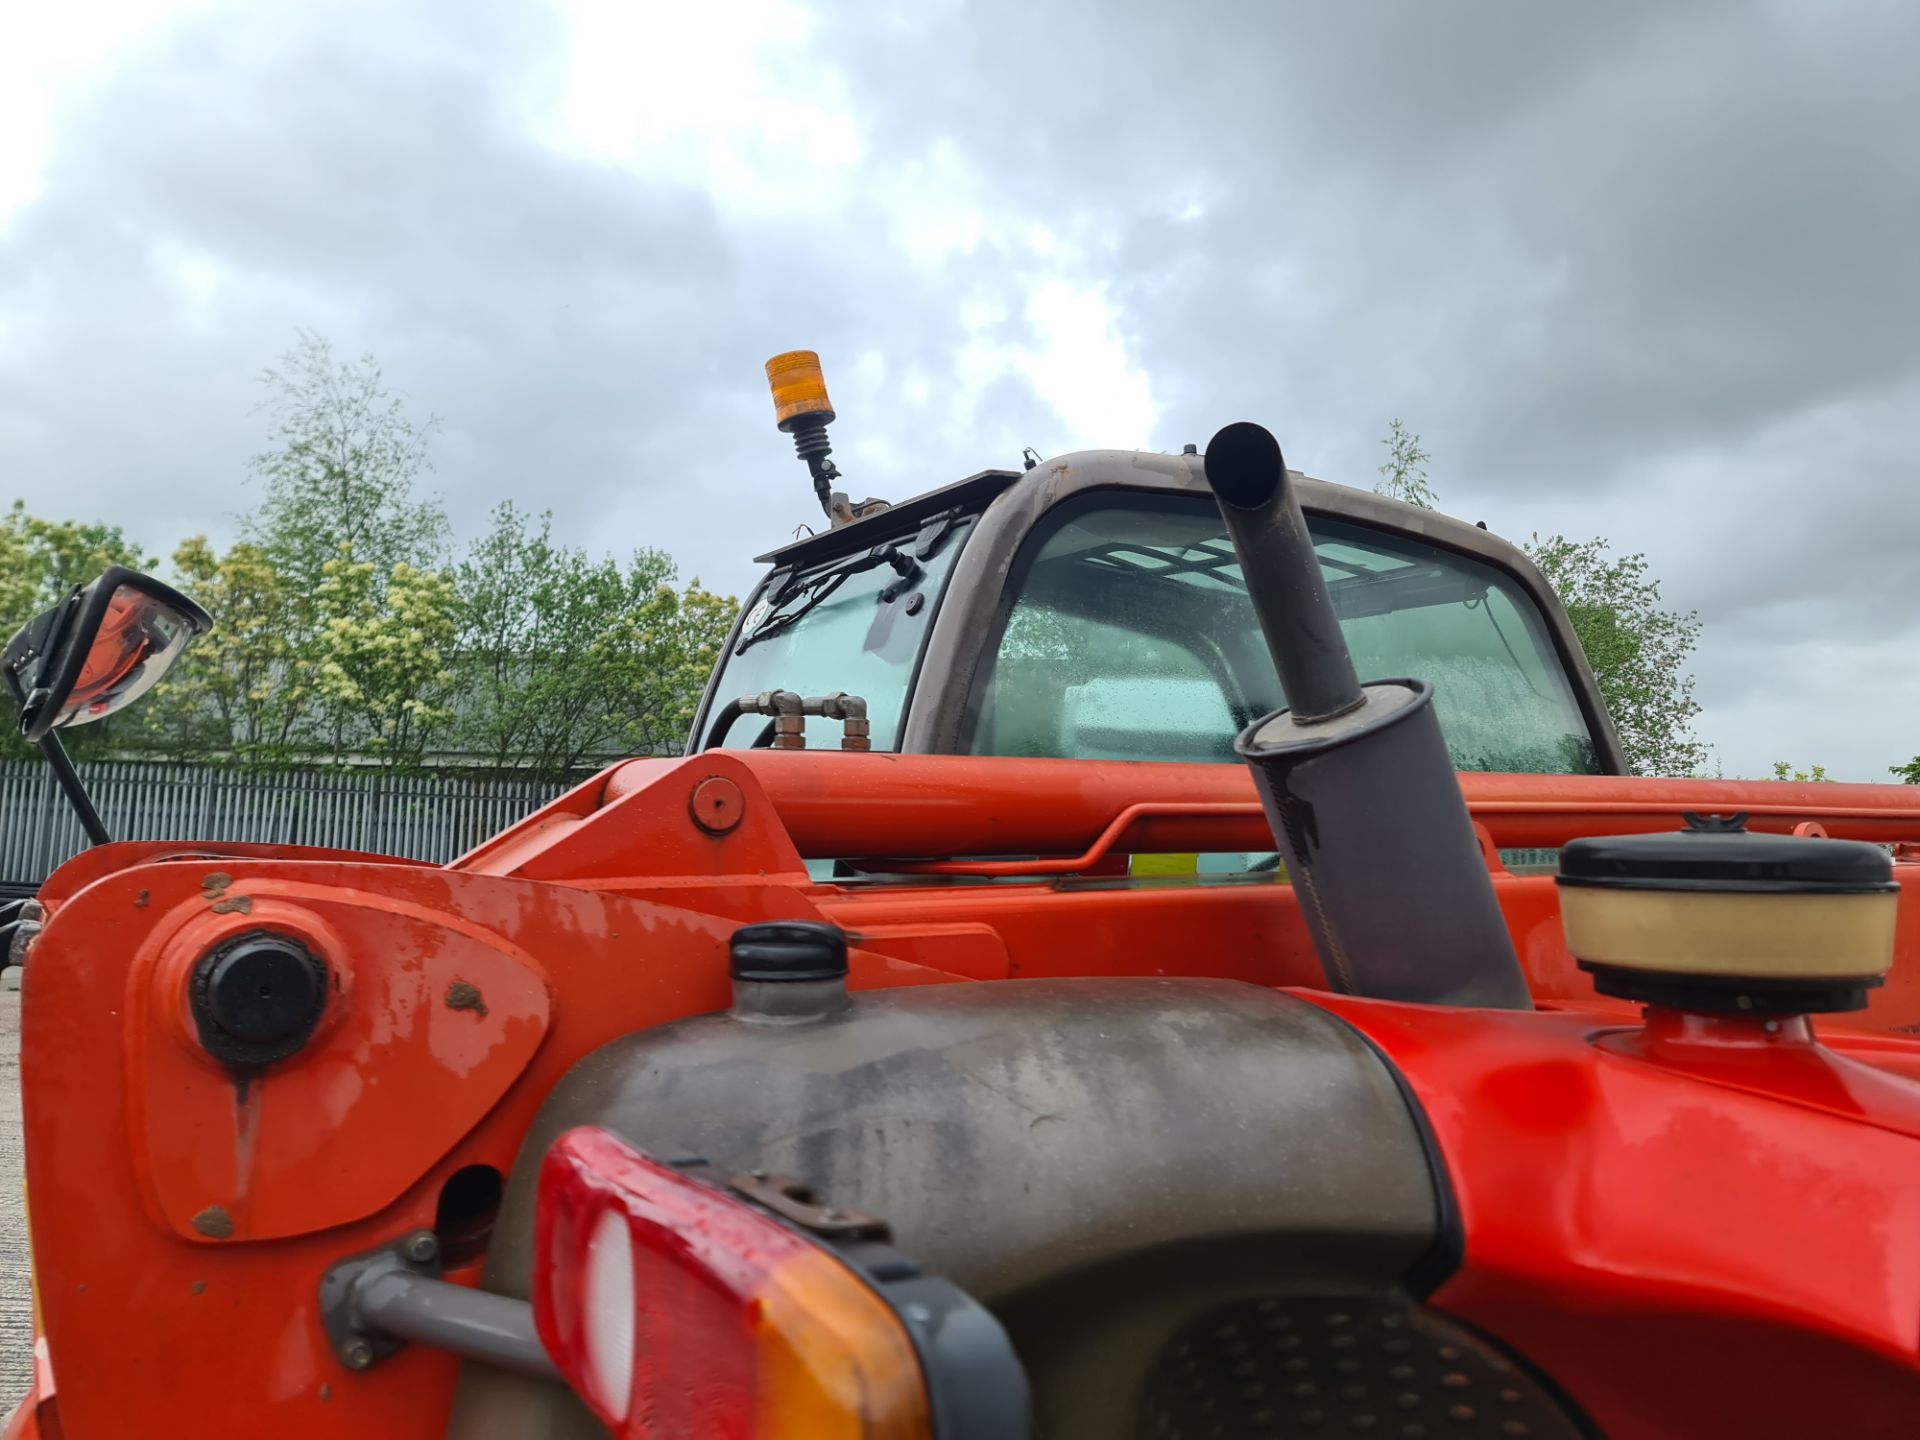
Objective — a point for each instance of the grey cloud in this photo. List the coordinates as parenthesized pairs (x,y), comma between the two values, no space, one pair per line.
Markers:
(1639,270)
(589,339)
(1592,229)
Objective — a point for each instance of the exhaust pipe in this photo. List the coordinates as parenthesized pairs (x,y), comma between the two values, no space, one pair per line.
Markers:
(1356,779)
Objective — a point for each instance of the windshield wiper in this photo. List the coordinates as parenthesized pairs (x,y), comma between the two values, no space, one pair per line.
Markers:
(822,584)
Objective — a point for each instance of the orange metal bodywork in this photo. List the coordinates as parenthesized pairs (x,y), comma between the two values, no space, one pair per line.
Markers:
(1702,1227)
(236,1158)
(607,912)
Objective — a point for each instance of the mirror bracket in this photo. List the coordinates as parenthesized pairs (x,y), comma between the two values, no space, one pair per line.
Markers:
(71,785)
(74,789)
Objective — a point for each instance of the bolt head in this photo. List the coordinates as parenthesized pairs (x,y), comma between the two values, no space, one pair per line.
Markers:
(716,805)
(358,1354)
(422,1246)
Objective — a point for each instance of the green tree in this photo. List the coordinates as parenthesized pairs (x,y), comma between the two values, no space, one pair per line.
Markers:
(1783,771)
(236,692)
(566,659)
(1908,773)
(1638,650)
(40,562)
(696,631)
(342,632)
(341,469)
(385,679)
(332,602)
(1404,476)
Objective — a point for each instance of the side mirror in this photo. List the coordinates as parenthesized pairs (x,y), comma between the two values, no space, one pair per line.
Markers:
(98,651)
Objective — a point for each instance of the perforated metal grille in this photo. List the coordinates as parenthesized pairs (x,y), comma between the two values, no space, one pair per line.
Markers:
(1320,1367)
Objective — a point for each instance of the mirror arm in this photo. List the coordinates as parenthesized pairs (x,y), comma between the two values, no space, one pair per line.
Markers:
(71,784)
(74,788)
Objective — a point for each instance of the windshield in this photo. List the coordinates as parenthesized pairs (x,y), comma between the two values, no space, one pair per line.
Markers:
(855,624)
(1130,637)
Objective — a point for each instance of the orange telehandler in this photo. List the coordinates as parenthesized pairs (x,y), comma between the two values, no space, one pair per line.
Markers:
(1074,985)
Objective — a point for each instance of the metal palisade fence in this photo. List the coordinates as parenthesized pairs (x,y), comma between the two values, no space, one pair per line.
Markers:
(424,817)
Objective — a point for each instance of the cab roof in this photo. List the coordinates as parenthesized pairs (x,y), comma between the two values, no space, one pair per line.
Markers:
(1130,469)
(973,493)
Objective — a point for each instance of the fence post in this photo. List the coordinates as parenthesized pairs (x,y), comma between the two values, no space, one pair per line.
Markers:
(43,849)
(201,821)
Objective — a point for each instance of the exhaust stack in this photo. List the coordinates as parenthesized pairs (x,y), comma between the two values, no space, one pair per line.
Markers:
(1356,779)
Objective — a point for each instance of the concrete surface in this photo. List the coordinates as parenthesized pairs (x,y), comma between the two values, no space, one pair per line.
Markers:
(16,1299)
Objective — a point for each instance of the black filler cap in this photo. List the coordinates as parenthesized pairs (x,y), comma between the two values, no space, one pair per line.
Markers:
(788,950)
(1716,853)
(258,998)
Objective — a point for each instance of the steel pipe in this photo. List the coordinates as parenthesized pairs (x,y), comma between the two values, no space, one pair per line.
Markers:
(473,1324)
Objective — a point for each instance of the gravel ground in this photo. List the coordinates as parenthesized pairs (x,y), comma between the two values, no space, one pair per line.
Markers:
(16,1300)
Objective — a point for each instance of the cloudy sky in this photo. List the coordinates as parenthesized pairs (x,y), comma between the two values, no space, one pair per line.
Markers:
(1647,270)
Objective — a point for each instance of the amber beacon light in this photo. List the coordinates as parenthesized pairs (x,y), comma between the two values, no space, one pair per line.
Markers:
(799,390)
(801,409)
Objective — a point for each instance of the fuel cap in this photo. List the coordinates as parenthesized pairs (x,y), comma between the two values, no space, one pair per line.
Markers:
(787,951)
(1718,918)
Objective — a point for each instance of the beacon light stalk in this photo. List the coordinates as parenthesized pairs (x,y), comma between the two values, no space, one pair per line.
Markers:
(675,1308)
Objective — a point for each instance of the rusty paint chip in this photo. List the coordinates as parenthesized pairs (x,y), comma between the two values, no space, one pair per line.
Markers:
(199,1287)
(214,1223)
(233,905)
(213,884)
(140,900)
(464,996)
